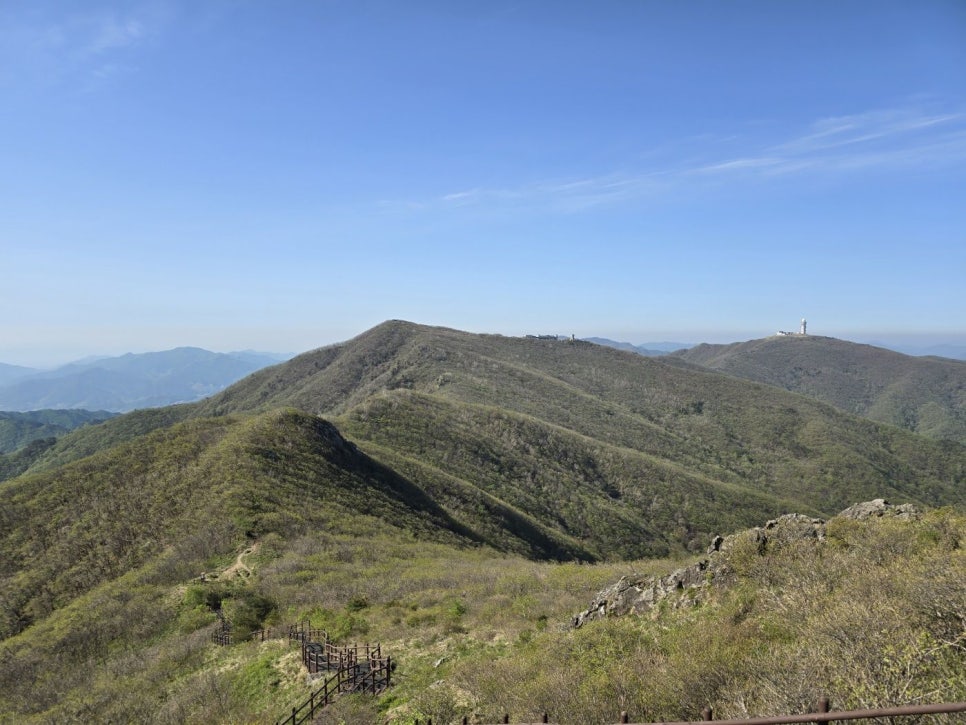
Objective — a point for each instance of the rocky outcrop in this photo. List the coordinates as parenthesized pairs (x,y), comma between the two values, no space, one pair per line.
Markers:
(691,584)
(880,507)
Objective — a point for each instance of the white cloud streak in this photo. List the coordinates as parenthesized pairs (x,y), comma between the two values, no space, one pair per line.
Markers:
(882,140)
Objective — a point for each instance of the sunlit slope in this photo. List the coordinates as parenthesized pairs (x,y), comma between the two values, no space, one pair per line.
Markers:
(601,452)
(180,496)
(347,462)
(700,423)
(926,395)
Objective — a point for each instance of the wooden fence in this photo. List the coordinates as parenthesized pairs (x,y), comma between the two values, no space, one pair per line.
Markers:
(325,656)
(294,632)
(222,635)
(354,668)
(302,632)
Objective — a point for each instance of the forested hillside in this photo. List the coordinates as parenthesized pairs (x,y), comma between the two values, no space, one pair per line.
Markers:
(627,455)
(19,429)
(416,485)
(926,395)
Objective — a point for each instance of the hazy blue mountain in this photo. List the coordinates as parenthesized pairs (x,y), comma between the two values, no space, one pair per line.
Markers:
(261,358)
(651,349)
(12,373)
(130,381)
(951,351)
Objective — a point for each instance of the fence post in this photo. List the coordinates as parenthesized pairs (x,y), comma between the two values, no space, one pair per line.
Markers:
(707,713)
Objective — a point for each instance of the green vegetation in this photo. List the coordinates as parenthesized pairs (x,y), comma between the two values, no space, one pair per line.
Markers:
(920,394)
(19,429)
(25,437)
(13,464)
(463,497)
(873,616)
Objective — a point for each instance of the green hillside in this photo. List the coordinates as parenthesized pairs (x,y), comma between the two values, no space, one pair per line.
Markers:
(422,486)
(926,395)
(871,617)
(209,482)
(683,422)
(608,453)
(26,437)
(19,429)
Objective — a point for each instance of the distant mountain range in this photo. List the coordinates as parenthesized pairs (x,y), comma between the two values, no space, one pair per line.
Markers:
(926,395)
(953,352)
(121,384)
(12,373)
(651,349)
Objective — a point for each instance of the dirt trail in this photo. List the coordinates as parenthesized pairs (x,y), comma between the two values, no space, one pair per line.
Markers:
(240,568)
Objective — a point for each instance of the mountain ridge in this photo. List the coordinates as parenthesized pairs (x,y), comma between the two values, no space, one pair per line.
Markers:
(413,479)
(926,395)
(130,381)
(665,426)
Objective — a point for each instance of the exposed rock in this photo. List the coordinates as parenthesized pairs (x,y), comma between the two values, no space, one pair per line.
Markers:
(880,507)
(687,586)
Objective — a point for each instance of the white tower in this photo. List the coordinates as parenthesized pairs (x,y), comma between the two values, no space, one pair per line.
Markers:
(802,330)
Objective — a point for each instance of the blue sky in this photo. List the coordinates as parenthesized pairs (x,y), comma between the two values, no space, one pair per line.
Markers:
(283,175)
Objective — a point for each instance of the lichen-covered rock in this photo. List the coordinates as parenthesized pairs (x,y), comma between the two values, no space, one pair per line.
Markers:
(691,584)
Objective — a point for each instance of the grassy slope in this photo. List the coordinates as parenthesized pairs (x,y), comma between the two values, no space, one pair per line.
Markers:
(924,395)
(93,554)
(539,448)
(870,618)
(873,617)
(64,532)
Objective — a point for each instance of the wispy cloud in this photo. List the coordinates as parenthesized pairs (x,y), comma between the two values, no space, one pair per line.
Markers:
(877,139)
(43,49)
(832,133)
(741,164)
(881,140)
(111,33)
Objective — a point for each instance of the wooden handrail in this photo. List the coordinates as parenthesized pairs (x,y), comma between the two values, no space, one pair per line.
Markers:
(370,675)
